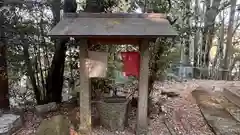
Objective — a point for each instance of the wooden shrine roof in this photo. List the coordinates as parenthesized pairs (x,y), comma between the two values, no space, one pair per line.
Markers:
(113,25)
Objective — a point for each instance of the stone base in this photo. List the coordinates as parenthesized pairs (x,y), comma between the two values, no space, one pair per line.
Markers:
(113,113)
(57,125)
(84,131)
(141,132)
(9,123)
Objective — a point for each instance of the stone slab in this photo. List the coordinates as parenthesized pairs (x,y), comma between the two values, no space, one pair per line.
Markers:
(232,94)
(9,123)
(233,109)
(218,118)
(40,109)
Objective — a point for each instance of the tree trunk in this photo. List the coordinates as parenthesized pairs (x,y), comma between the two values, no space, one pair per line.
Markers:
(55,75)
(94,6)
(208,32)
(30,72)
(196,39)
(228,49)
(219,55)
(4,99)
(186,61)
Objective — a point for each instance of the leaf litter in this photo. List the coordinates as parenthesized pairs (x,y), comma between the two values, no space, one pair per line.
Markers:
(170,116)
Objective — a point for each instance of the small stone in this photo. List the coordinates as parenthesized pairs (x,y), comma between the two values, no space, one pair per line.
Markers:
(57,125)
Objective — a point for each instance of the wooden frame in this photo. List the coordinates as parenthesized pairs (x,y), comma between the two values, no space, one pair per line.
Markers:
(85,92)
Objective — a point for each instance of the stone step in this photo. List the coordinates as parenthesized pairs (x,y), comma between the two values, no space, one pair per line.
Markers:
(232,94)
(217,117)
(232,108)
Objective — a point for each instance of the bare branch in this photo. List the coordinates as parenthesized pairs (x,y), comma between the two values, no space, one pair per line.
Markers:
(224,6)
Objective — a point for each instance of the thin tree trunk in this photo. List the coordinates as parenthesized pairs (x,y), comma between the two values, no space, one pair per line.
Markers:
(219,54)
(41,69)
(234,61)
(71,80)
(196,38)
(46,59)
(39,57)
(54,80)
(228,50)
(187,40)
(36,65)
(30,73)
(55,76)
(208,32)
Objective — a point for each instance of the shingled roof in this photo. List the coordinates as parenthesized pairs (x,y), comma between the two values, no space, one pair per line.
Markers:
(121,24)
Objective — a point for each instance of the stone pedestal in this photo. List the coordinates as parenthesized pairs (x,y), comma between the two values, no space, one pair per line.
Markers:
(113,113)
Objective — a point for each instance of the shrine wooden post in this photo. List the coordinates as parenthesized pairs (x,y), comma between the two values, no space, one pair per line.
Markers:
(142,119)
(85,92)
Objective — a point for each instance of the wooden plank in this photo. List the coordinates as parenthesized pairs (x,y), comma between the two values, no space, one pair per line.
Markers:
(110,27)
(85,93)
(218,118)
(142,118)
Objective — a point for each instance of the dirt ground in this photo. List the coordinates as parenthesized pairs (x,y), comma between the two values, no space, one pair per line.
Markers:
(180,115)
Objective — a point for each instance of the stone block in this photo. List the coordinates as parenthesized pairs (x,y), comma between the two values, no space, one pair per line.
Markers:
(113,113)
(57,125)
(9,123)
(40,109)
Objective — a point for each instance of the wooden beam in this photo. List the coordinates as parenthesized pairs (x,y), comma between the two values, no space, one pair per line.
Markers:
(85,92)
(142,118)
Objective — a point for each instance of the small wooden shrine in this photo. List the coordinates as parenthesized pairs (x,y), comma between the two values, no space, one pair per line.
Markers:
(116,28)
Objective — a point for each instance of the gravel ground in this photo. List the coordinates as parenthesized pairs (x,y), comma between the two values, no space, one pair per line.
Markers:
(181,113)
